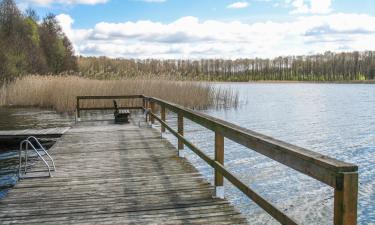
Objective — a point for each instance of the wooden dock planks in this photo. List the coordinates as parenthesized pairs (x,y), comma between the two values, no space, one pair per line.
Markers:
(116,174)
(39,133)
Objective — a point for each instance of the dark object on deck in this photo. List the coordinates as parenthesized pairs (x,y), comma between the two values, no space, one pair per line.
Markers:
(120,116)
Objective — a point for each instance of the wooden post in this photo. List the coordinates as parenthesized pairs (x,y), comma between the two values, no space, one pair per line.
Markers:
(219,157)
(153,111)
(162,112)
(144,104)
(180,130)
(77,110)
(346,199)
(146,108)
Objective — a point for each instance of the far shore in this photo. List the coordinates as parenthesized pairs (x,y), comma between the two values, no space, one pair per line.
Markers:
(292,82)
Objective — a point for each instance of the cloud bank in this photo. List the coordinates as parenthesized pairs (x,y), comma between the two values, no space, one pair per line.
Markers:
(188,37)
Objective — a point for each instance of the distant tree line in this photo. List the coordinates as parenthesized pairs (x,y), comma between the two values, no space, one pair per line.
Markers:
(31,46)
(349,66)
(28,45)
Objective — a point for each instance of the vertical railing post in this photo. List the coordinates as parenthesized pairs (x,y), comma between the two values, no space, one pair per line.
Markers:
(162,113)
(144,104)
(153,111)
(219,157)
(78,110)
(147,110)
(346,199)
(180,130)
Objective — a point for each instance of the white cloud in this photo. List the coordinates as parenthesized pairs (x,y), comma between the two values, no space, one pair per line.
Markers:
(189,37)
(238,5)
(310,6)
(66,23)
(64,2)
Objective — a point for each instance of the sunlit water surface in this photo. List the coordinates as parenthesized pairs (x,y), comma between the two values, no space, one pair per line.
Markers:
(333,119)
(337,120)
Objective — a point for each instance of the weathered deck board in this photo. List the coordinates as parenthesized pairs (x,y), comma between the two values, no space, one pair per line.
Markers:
(116,174)
(39,133)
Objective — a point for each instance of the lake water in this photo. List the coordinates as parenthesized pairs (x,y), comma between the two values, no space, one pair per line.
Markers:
(333,119)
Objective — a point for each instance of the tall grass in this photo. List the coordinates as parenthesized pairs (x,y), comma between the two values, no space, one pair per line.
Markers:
(59,92)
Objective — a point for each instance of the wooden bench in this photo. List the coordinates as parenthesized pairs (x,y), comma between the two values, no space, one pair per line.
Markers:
(121,116)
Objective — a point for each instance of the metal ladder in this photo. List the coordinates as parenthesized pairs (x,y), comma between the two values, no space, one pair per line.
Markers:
(24,146)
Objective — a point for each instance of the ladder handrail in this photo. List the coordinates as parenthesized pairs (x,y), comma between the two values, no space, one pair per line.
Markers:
(26,143)
(44,150)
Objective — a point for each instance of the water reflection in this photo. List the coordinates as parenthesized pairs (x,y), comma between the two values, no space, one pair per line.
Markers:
(16,118)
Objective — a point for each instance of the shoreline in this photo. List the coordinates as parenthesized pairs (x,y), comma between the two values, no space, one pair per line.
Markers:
(290,82)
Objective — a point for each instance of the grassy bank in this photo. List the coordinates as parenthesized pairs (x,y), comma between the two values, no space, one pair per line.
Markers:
(59,92)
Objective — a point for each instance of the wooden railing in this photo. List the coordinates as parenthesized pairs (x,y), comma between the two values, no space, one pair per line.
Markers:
(343,177)
(80,98)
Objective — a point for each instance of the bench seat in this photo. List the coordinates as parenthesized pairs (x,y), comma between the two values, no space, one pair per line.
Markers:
(121,116)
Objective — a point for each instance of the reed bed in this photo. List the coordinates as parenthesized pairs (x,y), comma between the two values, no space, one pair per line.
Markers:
(59,92)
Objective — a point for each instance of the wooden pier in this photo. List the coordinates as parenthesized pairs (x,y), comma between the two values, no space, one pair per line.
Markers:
(39,133)
(116,174)
(125,174)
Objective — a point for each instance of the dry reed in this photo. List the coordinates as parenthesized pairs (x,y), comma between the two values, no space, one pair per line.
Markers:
(59,92)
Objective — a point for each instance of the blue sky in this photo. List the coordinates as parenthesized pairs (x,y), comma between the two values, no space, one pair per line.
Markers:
(212,28)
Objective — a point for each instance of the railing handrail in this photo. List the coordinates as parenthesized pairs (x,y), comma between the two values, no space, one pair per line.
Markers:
(93,97)
(246,138)
(270,208)
(110,97)
(342,176)
(28,142)
(44,150)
